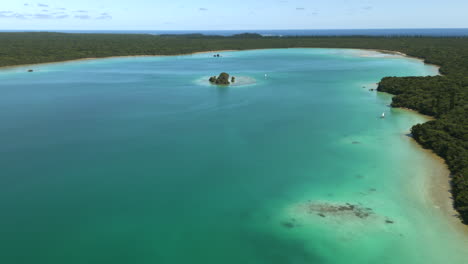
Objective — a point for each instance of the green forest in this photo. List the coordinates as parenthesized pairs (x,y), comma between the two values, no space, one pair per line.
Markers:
(443,97)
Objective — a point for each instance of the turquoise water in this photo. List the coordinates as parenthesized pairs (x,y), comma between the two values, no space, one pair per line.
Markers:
(140,160)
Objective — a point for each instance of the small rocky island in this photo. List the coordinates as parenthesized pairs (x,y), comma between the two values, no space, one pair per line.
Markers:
(222,79)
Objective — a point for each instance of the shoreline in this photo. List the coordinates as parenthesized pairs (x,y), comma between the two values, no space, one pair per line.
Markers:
(398,53)
(438,182)
(110,57)
(411,57)
(439,192)
(439,186)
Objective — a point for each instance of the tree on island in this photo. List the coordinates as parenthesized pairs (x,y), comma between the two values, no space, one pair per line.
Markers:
(223,79)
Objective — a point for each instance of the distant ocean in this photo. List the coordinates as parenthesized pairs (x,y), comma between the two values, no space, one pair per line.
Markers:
(436,32)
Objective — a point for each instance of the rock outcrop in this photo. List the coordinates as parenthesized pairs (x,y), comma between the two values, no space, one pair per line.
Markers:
(222,79)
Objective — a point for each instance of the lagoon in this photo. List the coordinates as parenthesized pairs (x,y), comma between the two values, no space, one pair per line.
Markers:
(141,160)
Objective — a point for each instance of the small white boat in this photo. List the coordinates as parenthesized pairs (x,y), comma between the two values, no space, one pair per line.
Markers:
(383,115)
(266,75)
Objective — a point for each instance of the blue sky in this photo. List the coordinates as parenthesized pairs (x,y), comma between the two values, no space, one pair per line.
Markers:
(225,15)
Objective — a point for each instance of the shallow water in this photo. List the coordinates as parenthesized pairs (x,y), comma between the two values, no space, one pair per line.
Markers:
(139,160)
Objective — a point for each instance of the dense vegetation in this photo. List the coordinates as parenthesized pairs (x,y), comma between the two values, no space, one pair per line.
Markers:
(444,97)
(222,79)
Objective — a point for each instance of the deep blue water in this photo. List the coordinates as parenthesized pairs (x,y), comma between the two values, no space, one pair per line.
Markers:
(436,32)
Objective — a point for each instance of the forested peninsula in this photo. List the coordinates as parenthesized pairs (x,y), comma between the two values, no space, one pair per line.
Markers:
(443,97)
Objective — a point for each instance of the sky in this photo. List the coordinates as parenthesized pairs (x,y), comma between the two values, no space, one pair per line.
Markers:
(230,15)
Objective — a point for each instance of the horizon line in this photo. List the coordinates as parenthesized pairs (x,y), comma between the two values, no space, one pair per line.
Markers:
(240,29)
